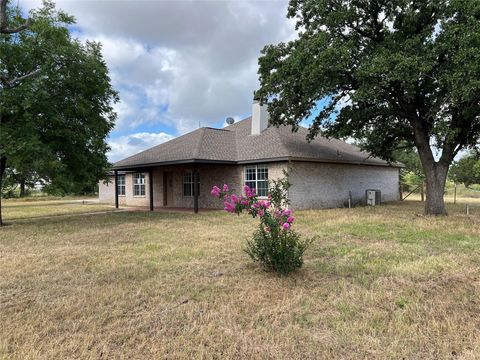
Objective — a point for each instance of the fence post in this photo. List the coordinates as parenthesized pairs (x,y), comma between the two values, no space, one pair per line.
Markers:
(467,210)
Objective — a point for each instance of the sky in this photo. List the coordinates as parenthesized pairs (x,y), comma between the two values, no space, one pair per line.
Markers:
(177,65)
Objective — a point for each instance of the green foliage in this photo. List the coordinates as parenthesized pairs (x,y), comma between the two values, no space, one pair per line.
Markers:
(467,170)
(410,180)
(386,62)
(278,191)
(411,175)
(281,252)
(55,123)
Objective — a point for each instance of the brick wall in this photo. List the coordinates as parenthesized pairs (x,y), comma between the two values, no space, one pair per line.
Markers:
(320,185)
(210,175)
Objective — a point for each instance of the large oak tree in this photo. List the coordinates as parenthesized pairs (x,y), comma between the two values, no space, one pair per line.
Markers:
(395,73)
(55,99)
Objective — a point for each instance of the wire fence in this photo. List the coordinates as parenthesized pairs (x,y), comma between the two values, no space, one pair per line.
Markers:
(458,197)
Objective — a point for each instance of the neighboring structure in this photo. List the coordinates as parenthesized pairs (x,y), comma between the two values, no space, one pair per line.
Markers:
(182,171)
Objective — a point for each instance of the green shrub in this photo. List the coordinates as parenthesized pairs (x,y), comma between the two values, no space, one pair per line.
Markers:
(281,252)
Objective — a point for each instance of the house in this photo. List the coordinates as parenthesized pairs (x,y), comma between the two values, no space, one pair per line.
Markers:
(182,171)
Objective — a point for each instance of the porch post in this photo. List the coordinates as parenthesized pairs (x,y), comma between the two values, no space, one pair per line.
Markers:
(195,189)
(116,189)
(150,187)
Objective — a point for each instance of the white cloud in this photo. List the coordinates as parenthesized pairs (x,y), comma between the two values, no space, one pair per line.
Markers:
(178,63)
(124,146)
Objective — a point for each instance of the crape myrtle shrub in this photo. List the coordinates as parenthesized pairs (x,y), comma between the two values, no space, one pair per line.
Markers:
(274,244)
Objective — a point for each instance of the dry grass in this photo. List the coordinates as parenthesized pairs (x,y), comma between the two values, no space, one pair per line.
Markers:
(379,283)
(14,209)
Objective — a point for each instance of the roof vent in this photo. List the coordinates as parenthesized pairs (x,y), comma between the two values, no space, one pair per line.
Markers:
(230,120)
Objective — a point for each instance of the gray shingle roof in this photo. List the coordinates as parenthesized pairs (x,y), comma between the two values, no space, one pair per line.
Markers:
(235,144)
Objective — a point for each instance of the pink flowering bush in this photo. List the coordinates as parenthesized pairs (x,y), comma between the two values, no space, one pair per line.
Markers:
(275,245)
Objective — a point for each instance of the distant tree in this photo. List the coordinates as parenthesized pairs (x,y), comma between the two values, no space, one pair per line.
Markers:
(19,183)
(394,72)
(466,170)
(411,175)
(55,121)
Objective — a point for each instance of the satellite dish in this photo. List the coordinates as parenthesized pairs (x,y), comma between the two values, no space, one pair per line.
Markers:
(230,120)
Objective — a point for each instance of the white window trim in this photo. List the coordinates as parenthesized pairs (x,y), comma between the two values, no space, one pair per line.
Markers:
(124,185)
(256,176)
(144,185)
(192,184)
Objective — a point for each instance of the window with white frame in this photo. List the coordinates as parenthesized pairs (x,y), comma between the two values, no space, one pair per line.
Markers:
(188,183)
(256,177)
(139,184)
(121,185)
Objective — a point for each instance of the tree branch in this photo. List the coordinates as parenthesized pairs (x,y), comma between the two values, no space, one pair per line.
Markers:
(16,81)
(4,21)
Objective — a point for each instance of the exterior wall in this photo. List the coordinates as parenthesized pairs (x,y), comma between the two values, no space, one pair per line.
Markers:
(210,175)
(314,185)
(322,185)
(106,192)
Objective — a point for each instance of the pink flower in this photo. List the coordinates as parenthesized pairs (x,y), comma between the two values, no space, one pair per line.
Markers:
(235,199)
(216,191)
(287,212)
(229,207)
(267,229)
(261,212)
(225,188)
(256,205)
(245,202)
(264,204)
(286,226)
(290,219)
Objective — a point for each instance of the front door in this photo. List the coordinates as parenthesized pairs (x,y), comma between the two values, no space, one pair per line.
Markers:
(167,189)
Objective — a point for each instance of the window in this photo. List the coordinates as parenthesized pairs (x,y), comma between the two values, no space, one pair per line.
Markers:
(256,177)
(121,185)
(188,184)
(139,184)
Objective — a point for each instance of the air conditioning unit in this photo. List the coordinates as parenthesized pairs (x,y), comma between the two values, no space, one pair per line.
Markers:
(373,197)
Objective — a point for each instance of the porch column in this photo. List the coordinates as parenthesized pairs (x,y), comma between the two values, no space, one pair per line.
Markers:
(116,189)
(195,189)
(150,187)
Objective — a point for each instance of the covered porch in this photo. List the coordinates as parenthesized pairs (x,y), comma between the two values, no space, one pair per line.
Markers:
(173,186)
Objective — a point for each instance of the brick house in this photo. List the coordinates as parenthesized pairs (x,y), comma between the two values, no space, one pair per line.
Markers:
(182,171)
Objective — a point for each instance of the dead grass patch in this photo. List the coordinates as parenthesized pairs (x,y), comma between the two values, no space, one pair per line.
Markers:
(379,283)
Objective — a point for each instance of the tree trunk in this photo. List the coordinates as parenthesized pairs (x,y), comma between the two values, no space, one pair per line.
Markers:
(22,188)
(436,177)
(435,171)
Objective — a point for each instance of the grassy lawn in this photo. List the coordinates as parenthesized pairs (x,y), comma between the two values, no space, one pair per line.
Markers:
(378,283)
(14,209)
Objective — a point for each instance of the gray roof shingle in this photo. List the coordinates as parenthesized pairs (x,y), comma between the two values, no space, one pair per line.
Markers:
(235,144)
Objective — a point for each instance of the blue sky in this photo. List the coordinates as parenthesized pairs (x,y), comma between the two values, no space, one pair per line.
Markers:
(177,65)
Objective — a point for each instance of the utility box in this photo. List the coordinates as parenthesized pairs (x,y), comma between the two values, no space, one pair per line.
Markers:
(373,197)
